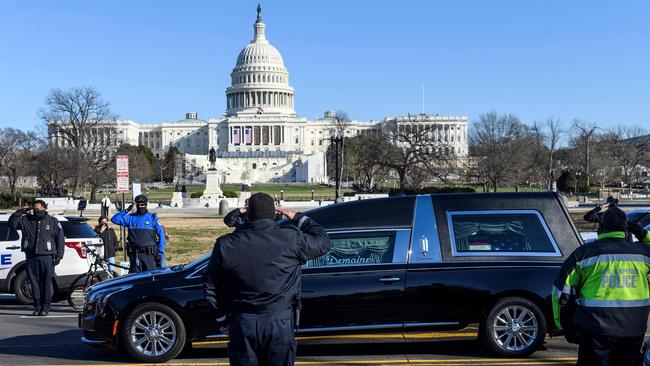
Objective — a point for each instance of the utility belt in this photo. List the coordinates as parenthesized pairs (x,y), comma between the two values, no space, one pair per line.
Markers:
(149,250)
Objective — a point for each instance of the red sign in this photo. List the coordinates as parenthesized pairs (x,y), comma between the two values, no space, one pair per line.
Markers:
(122,169)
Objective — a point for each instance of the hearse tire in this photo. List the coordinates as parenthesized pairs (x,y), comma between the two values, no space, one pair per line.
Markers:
(153,333)
(514,327)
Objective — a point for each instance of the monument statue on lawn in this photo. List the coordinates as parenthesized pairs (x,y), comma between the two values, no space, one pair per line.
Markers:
(212,192)
(213,158)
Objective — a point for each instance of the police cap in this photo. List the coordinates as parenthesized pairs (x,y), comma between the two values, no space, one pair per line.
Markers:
(141,198)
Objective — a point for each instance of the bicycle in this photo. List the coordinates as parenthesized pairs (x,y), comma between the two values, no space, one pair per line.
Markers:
(98,271)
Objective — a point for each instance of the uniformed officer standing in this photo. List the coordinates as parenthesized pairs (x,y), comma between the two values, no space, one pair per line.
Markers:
(254,278)
(43,242)
(601,297)
(595,215)
(146,239)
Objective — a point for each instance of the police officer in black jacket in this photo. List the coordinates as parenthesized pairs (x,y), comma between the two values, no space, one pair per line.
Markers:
(253,277)
(43,243)
(596,214)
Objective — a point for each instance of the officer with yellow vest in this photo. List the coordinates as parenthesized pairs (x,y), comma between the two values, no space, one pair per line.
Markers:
(600,298)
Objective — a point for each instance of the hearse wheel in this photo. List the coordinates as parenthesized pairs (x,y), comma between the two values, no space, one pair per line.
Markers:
(514,327)
(153,333)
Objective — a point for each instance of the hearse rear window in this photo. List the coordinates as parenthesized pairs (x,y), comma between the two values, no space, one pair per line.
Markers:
(351,249)
(502,232)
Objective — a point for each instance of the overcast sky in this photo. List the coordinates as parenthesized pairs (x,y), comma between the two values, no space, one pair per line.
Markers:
(155,60)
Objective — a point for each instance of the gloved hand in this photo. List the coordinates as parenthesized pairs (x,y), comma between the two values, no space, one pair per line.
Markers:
(57,260)
(637,230)
(129,209)
(161,259)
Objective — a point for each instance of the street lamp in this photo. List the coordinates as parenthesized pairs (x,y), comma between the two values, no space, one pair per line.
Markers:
(281,195)
(312,194)
(577,178)
(336,138)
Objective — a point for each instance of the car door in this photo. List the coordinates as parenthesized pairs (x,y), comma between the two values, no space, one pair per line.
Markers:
(10,253)
(478,253)
(359,284)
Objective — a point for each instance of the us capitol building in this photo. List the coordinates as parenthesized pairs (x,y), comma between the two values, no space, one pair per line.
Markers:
(260,138)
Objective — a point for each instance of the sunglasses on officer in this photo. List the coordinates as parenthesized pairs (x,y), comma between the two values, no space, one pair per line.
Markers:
(141,204)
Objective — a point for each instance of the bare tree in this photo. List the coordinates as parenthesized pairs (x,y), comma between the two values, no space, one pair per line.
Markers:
(53,166)
(493,143)
(630,148)
(81,121)
(548,135)
(414,151)
(341,125)
(363,159)
(16,151)
(584,140)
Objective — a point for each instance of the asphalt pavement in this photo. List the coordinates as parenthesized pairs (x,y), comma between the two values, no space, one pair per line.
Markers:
(54,340)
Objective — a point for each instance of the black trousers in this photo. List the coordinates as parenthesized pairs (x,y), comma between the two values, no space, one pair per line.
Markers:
(40,270)
(262,339)
(140,262)
(598,350)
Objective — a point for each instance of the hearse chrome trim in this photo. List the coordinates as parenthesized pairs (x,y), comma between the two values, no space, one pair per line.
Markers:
(452,238)
(435,324)
(425,247)
(196,273)
(359,327)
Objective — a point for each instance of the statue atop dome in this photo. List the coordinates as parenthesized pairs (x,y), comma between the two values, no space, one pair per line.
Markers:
(259,12)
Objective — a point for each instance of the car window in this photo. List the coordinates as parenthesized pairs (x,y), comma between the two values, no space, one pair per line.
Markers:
(352,249)
(77,229)
(7,233)
(500,232)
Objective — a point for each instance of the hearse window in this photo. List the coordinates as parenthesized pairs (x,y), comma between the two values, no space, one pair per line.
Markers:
(500,233)
(353,249)
(7,233)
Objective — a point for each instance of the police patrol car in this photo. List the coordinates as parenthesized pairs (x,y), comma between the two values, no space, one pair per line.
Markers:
(13,277)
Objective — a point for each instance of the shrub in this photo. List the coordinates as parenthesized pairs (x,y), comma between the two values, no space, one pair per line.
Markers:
(6,201)
(230,194)
(196,194)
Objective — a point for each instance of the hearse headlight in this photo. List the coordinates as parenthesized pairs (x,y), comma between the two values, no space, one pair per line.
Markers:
(101,296)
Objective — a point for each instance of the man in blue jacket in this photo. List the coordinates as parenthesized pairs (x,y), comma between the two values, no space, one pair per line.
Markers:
(146,239)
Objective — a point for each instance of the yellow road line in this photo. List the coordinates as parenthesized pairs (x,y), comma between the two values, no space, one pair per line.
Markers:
(422,362)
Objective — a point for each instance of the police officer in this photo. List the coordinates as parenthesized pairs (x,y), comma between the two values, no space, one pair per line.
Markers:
(600,297)
(595,215)
(43,242)
(254,278)
(237,217)
(146,239)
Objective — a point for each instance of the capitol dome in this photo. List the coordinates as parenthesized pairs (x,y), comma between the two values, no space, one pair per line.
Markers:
(259,81)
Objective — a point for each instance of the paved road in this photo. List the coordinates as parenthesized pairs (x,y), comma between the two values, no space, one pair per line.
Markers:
(54,340)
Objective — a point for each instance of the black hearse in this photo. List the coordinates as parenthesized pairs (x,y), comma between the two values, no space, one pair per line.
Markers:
(441,262)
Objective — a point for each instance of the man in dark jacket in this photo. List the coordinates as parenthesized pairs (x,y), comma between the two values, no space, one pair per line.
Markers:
(109,239)
(43,242)
(595,215)
(600,297)
(254,278)
(146,238)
